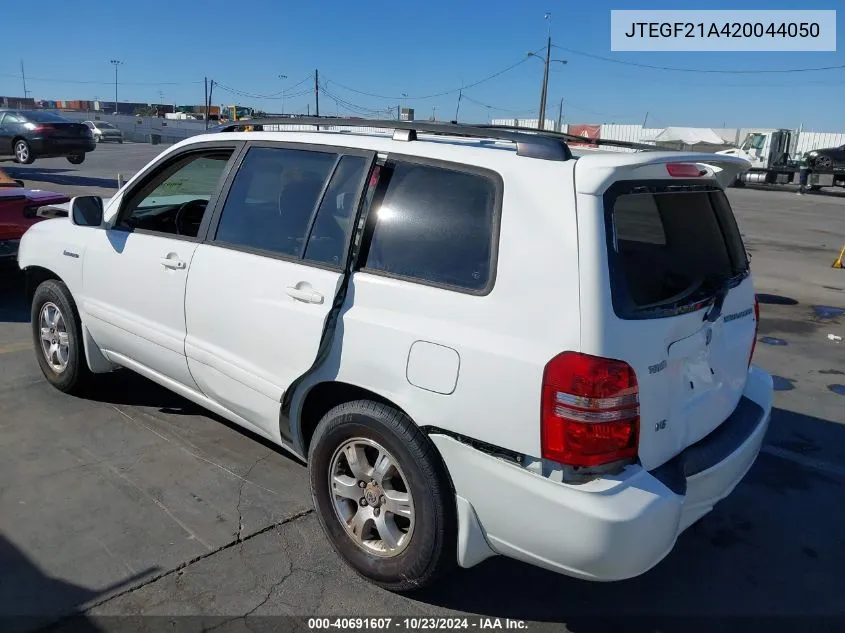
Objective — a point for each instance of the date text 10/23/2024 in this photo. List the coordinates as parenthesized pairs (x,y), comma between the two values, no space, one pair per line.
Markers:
(415,624)
(723,30)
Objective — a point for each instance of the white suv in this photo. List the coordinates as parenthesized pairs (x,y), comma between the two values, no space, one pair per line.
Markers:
(481,343)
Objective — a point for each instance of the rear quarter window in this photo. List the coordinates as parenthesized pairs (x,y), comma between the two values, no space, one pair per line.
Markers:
(435,225)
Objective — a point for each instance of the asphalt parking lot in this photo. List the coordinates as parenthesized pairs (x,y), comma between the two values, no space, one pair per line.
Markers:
(139,503)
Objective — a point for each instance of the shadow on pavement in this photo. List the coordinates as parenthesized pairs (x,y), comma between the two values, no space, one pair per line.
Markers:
(125,387)
(13,308)
(30,599)
(59,177)
(749,558)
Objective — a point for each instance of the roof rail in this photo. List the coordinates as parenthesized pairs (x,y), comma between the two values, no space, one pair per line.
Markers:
(528,143)
(583,140)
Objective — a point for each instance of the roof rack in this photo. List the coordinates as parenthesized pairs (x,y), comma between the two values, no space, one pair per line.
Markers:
(530,143)
(581,139)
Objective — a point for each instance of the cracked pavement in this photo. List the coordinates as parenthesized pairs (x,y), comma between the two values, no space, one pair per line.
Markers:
(138,507)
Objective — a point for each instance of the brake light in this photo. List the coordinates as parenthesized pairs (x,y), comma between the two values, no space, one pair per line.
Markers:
(590,410)
(684,170)
(39,127)
(756,329)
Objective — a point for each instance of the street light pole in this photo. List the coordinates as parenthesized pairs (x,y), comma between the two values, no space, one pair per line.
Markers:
(282,78)
(115,63)
(545,87)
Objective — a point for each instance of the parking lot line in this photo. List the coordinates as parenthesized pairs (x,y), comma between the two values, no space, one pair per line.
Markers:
(11,348)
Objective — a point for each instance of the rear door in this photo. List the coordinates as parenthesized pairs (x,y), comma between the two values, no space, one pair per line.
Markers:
(682,305)
(260,289)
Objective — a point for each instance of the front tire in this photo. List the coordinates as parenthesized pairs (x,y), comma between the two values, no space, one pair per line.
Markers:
(57,334)
(23,152)
(76,159)
(382,496)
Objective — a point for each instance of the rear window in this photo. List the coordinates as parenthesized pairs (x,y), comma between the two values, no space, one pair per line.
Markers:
(44,117)
(671,245)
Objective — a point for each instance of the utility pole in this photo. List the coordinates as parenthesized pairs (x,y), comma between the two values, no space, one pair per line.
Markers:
(23,77)
(458,108)
(560,116)
(317,92)
(206,103)
(210,92)
(398,112)
(645,119)
(115,63)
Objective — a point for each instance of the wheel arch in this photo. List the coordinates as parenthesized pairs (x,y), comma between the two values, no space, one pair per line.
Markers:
(320,398)
(34,276)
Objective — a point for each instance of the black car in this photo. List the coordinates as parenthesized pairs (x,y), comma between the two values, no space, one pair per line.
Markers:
(827,158)
(31,134)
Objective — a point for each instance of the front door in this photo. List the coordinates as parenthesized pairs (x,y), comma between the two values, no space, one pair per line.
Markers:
(261,287)
(134,272)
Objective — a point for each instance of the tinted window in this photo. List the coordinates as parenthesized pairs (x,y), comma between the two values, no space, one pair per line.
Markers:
(174,200)
(435,225)
(327,241)
(273,198)
(672,244)
(13,117)
(45,117)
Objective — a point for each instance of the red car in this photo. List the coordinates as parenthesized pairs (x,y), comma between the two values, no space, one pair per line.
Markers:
(20,208)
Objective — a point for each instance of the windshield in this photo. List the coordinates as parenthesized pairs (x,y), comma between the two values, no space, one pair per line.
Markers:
(672,245)
(44,117)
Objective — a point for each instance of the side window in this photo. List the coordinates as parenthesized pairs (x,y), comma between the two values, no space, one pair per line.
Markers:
(272,199)
(327,242)
(435,225)
(13,118)
(174,200)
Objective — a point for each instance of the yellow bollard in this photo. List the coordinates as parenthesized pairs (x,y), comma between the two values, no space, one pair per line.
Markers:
(839,263)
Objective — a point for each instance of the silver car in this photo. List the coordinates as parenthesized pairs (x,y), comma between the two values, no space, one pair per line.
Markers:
(105,132)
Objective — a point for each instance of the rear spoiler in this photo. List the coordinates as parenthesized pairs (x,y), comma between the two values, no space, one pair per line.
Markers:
(605,168)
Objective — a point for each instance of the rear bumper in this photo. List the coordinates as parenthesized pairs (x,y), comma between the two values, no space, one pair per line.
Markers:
(611,528)
(45,146)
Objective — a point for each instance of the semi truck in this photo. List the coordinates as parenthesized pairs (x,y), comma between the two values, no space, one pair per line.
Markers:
(774,161)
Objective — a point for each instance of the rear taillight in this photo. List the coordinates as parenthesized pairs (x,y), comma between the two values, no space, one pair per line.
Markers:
(685,170)
(590,410)
(756,329)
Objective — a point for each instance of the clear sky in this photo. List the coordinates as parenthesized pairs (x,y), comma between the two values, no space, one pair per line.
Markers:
(419,49)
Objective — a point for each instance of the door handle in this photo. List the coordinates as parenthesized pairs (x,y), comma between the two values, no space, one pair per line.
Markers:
(175,264)
(304,293)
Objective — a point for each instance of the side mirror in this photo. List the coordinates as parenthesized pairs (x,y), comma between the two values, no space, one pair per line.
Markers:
(86,211)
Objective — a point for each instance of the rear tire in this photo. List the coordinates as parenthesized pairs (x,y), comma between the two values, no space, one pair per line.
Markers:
(23,152)
(403,550)
(76,159)
(57,335)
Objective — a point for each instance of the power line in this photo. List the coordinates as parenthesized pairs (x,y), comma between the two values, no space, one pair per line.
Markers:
(284,94)
(431,96)
(497,109)
(699,70)
(353,107)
